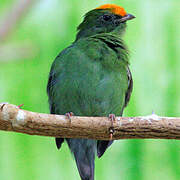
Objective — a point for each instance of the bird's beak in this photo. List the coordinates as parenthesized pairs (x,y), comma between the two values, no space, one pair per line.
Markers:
(127,17)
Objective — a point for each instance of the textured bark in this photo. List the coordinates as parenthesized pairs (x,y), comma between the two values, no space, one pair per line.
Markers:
(14,119)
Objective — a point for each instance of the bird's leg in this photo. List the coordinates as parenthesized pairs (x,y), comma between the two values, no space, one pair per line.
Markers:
(69,114)
(112,117)
(20,106)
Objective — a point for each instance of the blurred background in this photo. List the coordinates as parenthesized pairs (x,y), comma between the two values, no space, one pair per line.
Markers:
(32,33)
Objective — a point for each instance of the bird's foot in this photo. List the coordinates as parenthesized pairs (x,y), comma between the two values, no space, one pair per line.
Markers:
(20,106)
(111,131)
(69,115)
(112,117)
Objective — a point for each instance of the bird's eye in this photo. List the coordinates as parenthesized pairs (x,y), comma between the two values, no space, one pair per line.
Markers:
(106,17)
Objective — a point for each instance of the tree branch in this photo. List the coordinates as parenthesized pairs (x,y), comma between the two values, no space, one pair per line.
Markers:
(17,120)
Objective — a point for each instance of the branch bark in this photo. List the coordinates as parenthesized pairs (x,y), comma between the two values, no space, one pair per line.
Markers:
(155,127)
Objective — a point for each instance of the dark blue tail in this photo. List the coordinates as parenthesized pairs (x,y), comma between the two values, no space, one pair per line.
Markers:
(84,153)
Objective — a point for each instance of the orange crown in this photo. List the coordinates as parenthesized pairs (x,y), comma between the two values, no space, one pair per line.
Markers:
(118,10)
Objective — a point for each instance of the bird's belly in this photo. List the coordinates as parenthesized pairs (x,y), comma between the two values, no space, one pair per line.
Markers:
(90,94)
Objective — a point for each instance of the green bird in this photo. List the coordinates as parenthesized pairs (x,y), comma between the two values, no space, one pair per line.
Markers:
(91,77)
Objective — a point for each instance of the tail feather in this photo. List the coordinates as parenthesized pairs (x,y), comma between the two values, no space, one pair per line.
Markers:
(84,153)
(86,170)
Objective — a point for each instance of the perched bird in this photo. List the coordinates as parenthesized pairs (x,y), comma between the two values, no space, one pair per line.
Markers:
(91,77)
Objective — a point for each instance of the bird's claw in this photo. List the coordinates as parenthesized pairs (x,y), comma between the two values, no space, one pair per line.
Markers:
(111,131)
(69,114)
(112,117)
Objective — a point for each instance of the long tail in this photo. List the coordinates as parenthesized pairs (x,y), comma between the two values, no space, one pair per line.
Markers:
(84,153)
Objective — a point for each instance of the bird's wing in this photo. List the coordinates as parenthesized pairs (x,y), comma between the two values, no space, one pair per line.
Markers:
(130,87)
(102,146)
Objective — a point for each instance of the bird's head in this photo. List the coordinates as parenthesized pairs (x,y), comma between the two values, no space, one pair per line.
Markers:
(108,18)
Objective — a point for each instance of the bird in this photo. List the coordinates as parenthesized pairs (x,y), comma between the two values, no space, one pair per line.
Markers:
(92,77)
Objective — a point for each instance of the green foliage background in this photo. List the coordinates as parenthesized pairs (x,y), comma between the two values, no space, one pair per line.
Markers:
(49,26)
